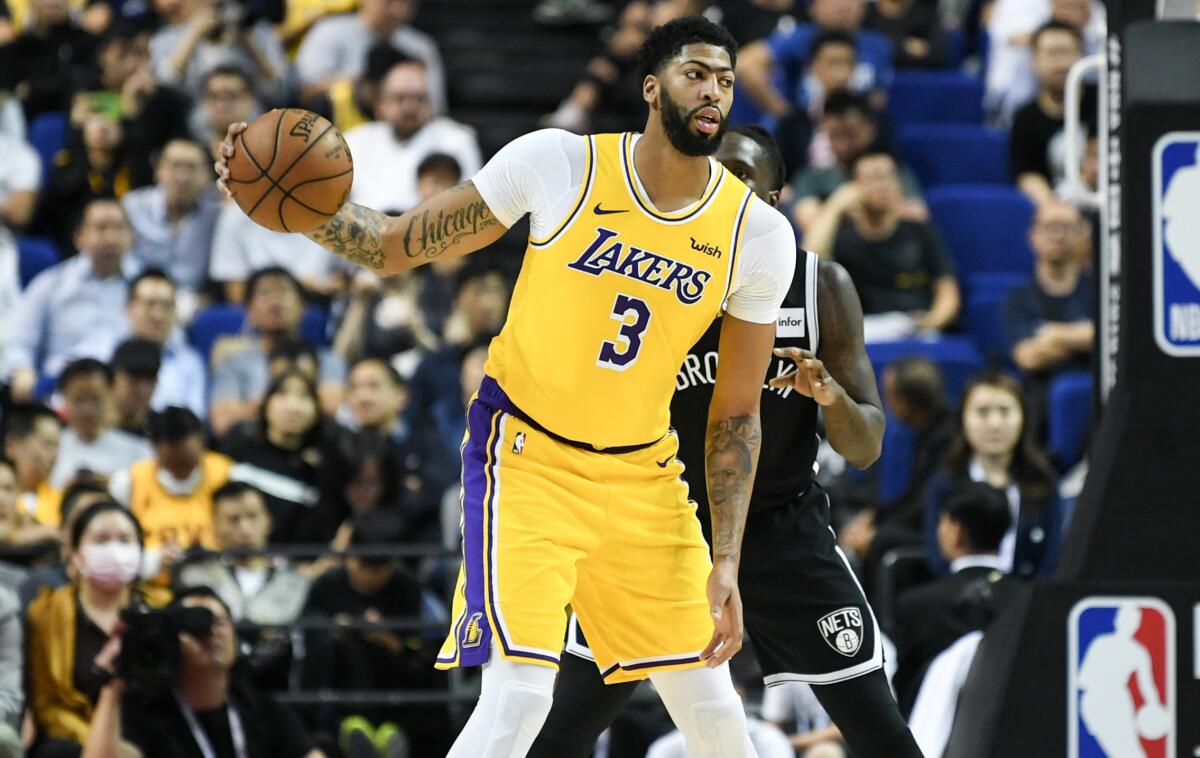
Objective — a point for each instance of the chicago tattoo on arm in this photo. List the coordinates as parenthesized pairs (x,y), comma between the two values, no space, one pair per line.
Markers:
(428,234)
(354,234)
(730,452)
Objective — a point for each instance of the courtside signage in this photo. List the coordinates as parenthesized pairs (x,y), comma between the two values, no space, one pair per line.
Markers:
(1176,230)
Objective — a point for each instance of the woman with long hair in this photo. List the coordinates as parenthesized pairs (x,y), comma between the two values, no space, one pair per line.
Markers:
(68,625)
(993,444)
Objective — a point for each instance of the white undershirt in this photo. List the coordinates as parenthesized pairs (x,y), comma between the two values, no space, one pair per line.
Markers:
(251,580)
(541,172)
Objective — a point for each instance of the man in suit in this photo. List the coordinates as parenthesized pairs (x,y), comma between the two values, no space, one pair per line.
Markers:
(930,618)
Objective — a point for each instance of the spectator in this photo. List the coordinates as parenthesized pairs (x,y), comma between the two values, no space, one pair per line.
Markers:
(93,166)
(300,15)
(51,58)
(150,313)
(282,454)
(803,142)
(1011,27)
(20,175)
(12,664)
(212,695)
(336,48)
(1037,146)
(794,705)
(18,527)
(901,268)
(173,220)
(227,97)
(913,28)
(851,128)
(436,298)
(90,442)
(351,101)
(768,740)
(171,493)
(75,500)
(385,318)
(973,521)
(135,366)
(994,444)
(31,440)
(204,34)
(389,149)
(771,71)
(69,625)
(256,587)
(275,306)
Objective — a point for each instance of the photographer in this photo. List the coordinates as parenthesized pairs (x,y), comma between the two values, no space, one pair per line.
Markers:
(209,711)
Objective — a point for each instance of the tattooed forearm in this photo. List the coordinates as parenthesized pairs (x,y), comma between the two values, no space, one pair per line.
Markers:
(730,457)
(429,233)
(354,234)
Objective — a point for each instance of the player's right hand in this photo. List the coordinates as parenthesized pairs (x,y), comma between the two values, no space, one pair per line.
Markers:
(224,153)
(725,602)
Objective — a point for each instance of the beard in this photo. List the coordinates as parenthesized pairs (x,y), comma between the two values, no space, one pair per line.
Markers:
(677,125)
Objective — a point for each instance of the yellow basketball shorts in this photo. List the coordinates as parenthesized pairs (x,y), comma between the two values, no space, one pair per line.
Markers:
(547,525)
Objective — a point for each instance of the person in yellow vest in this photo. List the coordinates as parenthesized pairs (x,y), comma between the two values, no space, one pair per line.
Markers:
(350,101)
(171,493)
(31,435)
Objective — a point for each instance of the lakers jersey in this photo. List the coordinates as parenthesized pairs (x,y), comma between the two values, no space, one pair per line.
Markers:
(607,304)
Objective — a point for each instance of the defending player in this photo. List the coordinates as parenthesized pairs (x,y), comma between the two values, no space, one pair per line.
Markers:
(571,489)
(806,615)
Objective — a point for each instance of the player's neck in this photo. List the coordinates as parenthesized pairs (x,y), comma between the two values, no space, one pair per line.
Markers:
(996,468)
(1057,279)
(671,179)
(1051,102)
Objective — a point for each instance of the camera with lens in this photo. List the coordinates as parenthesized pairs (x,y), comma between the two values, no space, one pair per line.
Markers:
(150,652)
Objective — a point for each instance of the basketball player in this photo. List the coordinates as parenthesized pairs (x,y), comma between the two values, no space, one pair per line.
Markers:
(572,493)
(806,615)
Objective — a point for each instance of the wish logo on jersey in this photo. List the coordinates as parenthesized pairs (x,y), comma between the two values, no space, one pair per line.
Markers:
(607,253)
(1121,683)
(1176,225)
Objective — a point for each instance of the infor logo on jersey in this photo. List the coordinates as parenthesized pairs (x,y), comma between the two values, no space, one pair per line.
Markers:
(1121,684)
(1176,228)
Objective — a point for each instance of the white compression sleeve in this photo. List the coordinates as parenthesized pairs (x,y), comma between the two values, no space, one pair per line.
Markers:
(707,709)
(513,704)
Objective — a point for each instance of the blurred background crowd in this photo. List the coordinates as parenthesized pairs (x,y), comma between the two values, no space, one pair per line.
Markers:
(199,412)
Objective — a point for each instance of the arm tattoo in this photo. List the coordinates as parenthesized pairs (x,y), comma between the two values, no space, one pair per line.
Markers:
(730,455)
(354,234)
(428,235)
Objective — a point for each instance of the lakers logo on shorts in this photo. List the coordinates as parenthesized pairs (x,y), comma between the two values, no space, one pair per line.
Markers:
(472,634)
(843,630)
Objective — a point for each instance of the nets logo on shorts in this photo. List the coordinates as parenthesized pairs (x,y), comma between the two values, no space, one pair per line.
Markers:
(843,630)
(1176,225)
(1121,684)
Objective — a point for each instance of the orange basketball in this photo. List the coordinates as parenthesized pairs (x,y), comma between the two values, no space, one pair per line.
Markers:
(291,170)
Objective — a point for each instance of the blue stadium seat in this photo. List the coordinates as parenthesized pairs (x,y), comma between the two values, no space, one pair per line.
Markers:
(956,154)
(956,356)
(1068,416)
(313,326)
(956,48)
(984,310)
(985,227)
(944,97)
(48,135)
(220,320)
(35,255)
(896,461)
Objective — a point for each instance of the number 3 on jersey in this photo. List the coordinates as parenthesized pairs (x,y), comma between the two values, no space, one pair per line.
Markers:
(623,353)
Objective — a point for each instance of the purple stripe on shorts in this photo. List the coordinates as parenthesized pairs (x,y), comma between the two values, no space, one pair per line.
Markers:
(474,638)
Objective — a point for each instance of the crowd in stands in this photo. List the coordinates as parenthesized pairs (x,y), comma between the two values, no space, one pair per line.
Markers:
(203,414)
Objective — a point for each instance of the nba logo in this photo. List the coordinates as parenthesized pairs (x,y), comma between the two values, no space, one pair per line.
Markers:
(1121,687)
(1176,225)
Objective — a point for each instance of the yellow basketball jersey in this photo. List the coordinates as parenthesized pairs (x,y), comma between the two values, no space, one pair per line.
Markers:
(167,517)
(606,307)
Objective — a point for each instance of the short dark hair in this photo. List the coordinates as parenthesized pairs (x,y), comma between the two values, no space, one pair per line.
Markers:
(197,590)
(875,151)
(843,102)
(375,528)
(1055,26)
(769,147)
(440,162)
(268,271)
(919,382)
(982,511)
(90,513)
(82,367)
(74,492)
(173,424)
(665,42)
(233,490)
(78,220)
(292,349)
(227,69)
(137,356)
(21,420)
(147,274)
(196,144)
(392,374)
(830,37)
(382,57)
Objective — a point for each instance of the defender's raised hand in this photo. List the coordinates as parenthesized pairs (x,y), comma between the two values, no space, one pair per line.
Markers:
(810,378)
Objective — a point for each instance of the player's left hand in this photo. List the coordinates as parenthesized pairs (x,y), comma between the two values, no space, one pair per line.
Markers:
(810,377)
(725,602)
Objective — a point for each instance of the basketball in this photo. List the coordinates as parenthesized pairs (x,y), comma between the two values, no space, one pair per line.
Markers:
(1153,721)
(291,170)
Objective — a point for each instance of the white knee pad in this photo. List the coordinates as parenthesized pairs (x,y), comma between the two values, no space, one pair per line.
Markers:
(520,713)
(720,729)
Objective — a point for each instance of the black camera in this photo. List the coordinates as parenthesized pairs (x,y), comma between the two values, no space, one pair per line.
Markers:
(150,653)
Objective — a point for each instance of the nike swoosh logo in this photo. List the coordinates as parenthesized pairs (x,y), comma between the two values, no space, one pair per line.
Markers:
(663,464)
(601,212)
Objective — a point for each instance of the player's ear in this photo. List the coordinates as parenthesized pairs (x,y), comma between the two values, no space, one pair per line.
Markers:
(773,198)
(650,90)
